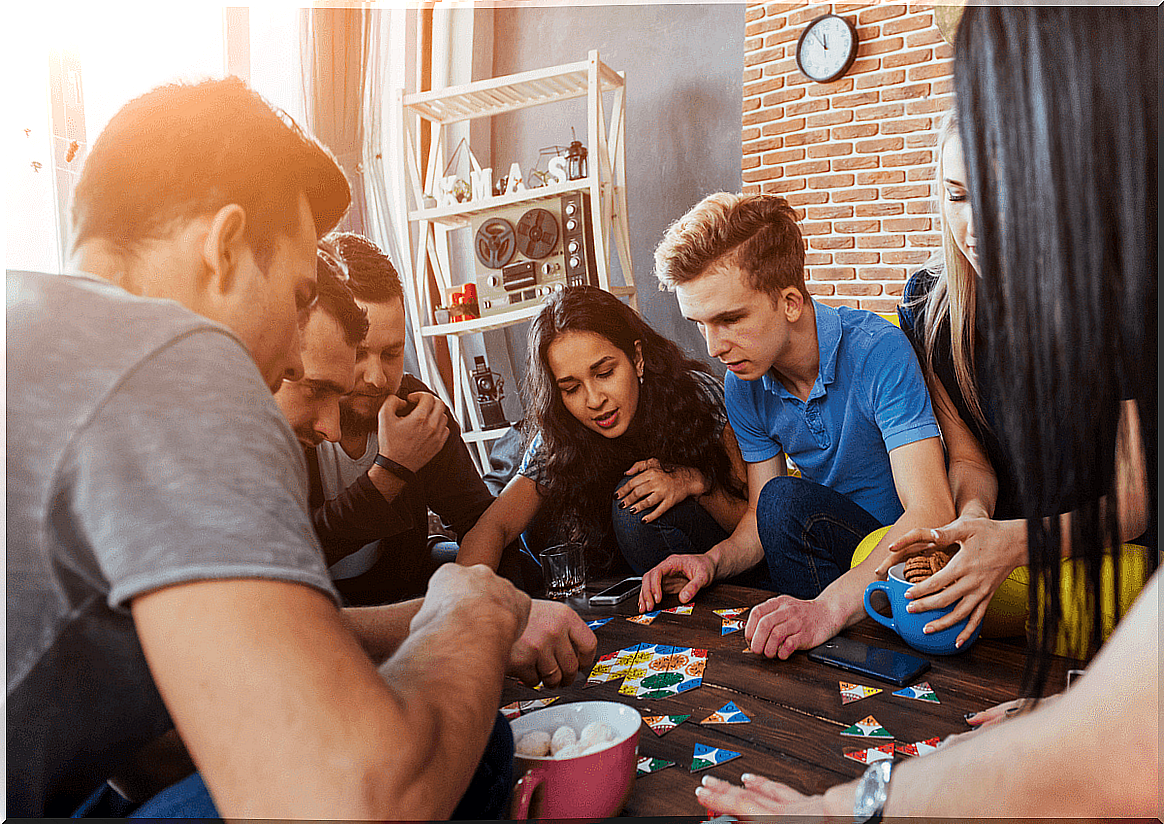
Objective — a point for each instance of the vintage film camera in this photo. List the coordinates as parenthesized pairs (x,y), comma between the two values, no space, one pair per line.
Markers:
(524,253)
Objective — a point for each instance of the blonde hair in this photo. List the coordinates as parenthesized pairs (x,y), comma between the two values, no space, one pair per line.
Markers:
(954,295)
(756,233)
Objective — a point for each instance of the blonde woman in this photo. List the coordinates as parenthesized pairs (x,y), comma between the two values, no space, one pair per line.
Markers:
(939,315)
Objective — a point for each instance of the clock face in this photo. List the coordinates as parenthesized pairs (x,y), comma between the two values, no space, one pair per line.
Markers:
(826,48)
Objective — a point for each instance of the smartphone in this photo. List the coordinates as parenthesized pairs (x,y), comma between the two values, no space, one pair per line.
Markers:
(897,668)
(625,589)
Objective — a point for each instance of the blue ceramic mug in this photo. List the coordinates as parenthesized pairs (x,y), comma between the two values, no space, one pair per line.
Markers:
(909,625)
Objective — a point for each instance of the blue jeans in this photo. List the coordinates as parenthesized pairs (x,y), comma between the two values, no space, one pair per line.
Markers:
(486,798)
(809,533)
(684,529)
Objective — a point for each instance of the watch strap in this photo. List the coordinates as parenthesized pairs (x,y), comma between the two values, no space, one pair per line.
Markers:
(399,470)
(872,793)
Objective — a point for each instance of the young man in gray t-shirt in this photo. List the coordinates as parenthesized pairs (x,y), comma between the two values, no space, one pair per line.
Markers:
(161,565)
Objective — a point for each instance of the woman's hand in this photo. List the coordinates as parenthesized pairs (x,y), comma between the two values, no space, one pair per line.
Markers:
(996,715)
(990,551)
(760,796)
(652,487)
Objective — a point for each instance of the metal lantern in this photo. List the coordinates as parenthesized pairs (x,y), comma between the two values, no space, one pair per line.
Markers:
(576,161)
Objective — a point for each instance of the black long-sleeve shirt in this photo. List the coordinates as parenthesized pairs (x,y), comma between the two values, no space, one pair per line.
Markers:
(449,485)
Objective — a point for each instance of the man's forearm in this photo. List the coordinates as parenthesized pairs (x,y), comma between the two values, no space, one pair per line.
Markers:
(456,713)
(381,630)
(845,597)
(740,551)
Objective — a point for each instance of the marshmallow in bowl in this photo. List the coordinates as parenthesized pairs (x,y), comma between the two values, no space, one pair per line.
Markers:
(536,744)
(563,737)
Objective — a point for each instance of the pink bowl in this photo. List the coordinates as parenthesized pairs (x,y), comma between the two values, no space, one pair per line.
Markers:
(586,786)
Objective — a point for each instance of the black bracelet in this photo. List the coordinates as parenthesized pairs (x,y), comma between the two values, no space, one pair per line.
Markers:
(402,472)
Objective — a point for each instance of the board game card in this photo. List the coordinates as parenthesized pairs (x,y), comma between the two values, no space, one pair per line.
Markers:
(662,724)
(519,708)
(920,692)
(918,748)
(729,713)
(885,751)
(705,756)
(646,766)
(868,727)
(855,692)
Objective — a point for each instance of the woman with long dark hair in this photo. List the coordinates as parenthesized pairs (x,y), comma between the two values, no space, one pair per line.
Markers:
(1058,110)
(629,447)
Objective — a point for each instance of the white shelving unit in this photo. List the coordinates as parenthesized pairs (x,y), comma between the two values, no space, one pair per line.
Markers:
(427,246)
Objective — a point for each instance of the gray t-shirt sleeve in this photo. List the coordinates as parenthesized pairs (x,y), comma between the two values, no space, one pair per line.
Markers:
(188,471)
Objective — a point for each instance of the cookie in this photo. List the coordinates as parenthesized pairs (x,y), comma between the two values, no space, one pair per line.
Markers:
(920,567)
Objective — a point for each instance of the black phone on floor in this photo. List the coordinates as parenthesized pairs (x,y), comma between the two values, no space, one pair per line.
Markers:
(898,668)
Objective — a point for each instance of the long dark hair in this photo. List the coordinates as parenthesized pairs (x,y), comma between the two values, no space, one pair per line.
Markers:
(675,421)
(1058,113)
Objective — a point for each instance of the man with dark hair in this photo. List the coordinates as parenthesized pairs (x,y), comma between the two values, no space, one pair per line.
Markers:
(837,390)
(399,455)
(335,326)
(162,570)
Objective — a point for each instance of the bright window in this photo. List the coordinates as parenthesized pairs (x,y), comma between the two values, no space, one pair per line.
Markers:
(111,54)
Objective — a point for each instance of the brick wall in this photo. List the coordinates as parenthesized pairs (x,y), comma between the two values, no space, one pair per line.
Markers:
(855,157)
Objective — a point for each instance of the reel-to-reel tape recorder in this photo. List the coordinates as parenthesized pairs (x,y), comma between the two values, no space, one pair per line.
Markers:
(524,253)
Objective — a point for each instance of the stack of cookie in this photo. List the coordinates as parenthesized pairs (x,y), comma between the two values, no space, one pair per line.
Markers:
(920,567)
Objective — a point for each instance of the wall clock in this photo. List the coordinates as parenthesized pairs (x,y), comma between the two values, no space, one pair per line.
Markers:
(827,48)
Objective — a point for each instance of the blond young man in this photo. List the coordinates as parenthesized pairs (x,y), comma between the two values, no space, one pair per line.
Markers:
(839,391)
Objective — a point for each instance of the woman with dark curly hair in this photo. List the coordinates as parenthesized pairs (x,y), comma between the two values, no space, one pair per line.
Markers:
(629,442)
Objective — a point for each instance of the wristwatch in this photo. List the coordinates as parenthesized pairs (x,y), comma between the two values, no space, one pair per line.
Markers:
(872,790)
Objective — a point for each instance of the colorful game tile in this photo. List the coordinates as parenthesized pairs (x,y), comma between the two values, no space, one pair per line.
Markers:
(598,622)
(645,619)
(705,756)
(855,692)
(646,766)
(920,692)
(651,670)
(918,748)
(729,713)
(869,727)
(612,666)
(683,609)
(730,625)
(519,708)
(730,613)
(885,751)
(662,724)
(660,671)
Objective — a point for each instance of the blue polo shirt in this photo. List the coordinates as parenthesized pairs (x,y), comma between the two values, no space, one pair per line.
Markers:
(869,398)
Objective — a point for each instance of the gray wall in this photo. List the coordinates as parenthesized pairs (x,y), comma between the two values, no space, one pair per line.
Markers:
(684,98)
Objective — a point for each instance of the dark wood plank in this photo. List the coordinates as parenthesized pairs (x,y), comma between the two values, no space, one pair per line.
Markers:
(795,705)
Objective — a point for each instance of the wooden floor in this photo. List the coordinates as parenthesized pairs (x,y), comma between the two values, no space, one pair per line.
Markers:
(795,705)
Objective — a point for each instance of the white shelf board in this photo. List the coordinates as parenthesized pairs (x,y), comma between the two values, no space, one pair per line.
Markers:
(480,435)
(457,214)
(487,98)
(469,327)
